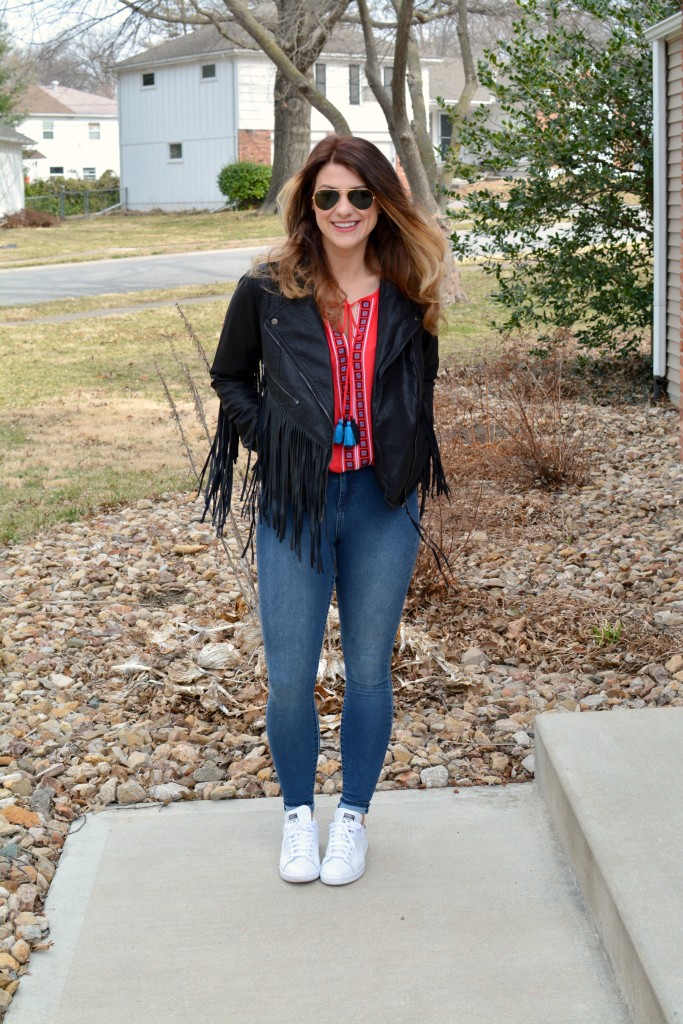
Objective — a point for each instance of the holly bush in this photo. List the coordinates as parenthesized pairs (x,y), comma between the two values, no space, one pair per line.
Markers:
(571,244)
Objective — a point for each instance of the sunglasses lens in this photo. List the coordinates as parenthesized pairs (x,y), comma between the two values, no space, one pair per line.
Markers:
(326,198)
(361,198)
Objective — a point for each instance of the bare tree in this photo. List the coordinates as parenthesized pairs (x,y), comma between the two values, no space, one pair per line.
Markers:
(86,64)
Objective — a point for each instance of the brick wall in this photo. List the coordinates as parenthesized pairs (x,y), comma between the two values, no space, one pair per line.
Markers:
(254,145)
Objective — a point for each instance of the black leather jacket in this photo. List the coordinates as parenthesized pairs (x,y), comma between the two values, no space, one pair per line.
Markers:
(273,375)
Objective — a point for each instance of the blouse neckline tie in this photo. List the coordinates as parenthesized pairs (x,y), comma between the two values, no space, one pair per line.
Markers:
(347,431)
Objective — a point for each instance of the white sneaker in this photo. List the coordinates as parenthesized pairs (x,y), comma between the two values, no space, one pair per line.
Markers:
(347,846)
(300,856)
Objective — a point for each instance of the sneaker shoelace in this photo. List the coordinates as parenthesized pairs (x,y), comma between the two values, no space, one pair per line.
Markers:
(300,840)
(340,843)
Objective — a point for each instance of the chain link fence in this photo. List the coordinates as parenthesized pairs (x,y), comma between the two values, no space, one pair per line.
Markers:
(73,203)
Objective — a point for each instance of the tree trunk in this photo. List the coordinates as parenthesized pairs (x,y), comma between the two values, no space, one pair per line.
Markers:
(462,107)
(420,113)
(403,134)
(291,137)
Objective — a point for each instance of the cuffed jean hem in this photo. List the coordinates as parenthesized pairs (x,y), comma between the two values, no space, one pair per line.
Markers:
(360,809)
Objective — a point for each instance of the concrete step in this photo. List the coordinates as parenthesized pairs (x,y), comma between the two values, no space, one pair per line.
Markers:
(467,914)
(613,784)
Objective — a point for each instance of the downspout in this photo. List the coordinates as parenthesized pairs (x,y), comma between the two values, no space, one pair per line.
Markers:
(659,140)
(235,108)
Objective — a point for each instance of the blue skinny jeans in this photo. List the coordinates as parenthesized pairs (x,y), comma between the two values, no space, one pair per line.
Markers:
(369,553)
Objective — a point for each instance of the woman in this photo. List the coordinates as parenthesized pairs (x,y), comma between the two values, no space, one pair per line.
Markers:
(325,369)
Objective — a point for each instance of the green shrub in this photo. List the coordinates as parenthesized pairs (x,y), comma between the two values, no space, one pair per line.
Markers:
(66,196)
(53,186)
(244,184)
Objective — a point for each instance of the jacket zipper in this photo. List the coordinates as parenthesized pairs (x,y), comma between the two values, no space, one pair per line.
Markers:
(286,391)
(301,374)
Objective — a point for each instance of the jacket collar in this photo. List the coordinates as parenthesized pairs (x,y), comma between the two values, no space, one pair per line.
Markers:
(399,318)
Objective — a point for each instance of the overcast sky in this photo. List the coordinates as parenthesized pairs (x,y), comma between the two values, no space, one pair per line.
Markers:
(36,21)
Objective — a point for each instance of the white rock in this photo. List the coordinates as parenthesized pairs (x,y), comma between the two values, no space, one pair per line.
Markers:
(138,760)
(130,792)
(107,791)
(529,763)
(594,700)
(475,656)
(435,777)
(668,619)
(522,739)
(169,791)
(59,681)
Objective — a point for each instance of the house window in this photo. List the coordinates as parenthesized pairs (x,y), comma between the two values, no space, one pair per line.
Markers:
(388,77)
(94,130)
(321,78)
(446,131)
(175,151)
(354,84)
(89,174)
(56,172)
(208,71)
(147,79)
(48,129)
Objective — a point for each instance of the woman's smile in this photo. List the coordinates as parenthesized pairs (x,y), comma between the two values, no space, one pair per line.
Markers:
(347,225)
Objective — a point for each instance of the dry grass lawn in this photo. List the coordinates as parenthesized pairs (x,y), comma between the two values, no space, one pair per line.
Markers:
(142,234)
(84,421)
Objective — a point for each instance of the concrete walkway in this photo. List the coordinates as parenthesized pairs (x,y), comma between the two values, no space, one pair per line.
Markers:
(468,913)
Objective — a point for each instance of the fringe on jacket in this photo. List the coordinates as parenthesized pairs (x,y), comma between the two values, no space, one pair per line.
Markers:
(432,480)
(286,488)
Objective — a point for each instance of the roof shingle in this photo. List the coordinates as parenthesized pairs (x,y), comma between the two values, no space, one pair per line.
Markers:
(59,99)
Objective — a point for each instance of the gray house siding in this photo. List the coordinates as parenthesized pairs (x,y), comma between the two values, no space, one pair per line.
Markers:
(176,134)
(674,120)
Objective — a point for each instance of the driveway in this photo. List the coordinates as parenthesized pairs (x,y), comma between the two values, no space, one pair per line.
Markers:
(27,286)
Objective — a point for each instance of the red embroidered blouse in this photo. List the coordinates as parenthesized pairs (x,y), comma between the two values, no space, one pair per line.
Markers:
(353,393)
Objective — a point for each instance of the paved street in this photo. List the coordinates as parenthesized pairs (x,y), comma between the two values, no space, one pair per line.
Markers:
(30,285)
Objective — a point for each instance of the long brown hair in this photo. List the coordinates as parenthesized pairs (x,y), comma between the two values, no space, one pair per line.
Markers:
(405,247)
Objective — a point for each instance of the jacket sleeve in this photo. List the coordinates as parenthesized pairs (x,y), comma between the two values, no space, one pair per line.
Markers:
(235,378)
(235,370)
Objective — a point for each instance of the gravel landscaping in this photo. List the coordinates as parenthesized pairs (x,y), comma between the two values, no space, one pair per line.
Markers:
(133,672)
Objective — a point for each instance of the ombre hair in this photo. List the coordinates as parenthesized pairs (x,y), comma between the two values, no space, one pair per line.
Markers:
(406,247)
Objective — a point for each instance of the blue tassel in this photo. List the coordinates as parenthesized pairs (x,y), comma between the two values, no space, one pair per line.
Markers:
(339,433)
(349,436)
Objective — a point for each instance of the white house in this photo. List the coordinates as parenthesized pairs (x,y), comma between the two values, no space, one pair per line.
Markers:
(446,81)
(11,169)
(191,105)
(667,331)
(77,133)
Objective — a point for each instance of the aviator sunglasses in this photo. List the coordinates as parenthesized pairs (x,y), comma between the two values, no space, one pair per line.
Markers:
(327,198)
